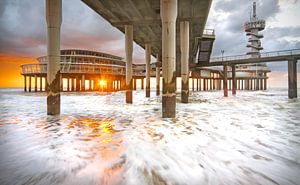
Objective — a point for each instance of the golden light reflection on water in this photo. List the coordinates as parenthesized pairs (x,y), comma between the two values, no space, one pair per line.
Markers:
(109,145)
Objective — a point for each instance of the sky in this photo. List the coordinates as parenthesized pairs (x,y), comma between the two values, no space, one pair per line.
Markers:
(23,33)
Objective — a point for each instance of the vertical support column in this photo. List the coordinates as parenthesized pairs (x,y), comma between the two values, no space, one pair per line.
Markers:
(256,83)
(292,75)
(54,18)
(265,82)
(72,84)
(142,83)
(168,13)
(225,80)
(77,84)
(82,82)
(41,84)
(193,88)
(90,84)
(184,52)
(68,84)
(261,84)
(25,83)
(29,88)
(204,84)
(197,84)
(233,80)
(157,76)
(148,59)
(134,84)
(61,83)
(35,83)
(128,50)
(200,84)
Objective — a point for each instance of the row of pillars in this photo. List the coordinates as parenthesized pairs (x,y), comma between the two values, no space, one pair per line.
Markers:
(75,84)
(207,84)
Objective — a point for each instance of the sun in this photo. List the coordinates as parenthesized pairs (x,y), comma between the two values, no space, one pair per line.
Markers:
(102,83)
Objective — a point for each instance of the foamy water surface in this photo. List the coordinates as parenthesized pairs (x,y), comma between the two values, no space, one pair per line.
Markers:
(253,138)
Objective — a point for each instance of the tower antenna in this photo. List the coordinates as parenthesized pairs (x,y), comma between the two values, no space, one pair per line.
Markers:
(254,9)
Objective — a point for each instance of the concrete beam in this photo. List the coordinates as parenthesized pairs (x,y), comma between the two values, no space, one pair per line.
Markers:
(292,75)
(128,50)
(184,51)
(54,18)
(148,69)
(168,13)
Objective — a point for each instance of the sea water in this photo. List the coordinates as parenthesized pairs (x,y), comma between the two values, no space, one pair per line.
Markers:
(251,138)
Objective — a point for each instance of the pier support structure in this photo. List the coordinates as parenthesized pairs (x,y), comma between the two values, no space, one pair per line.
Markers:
(225,87)
(25,83)
(54,18)
(148,59)
(168,13)
(233,80)
(184,51)
(292,76)
(157,76)
(82,82)
(128,50)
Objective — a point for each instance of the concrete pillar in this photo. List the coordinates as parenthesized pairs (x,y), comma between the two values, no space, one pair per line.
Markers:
(25,83)
(142,83)
(148,69)
(157,77)
(265,82)
(128,50)
(193,88)
(61,83)
(184,52)
(225,87)
(82,82)
(197,84)
(41,84)
(242,84)
(29,88)
(292,75)
(35,83)
(200,84)
(233,80)
(54,18)
(68,84)
(72,84)
(90,84)
(204,84)
(46,85)
(134,84)
(168,13)
(256,84)
(77,84)
(261,84)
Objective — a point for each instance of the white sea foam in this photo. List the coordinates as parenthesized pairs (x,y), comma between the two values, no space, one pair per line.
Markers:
(252,138)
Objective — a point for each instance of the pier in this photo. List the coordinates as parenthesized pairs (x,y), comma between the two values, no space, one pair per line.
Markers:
(170,30)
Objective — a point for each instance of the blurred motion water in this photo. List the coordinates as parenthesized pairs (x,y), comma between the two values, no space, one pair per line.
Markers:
(253,138)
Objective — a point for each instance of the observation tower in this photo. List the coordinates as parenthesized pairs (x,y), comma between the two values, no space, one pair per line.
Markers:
(252,28)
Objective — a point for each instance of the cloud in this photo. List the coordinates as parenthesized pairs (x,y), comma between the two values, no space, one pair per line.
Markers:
(227,17)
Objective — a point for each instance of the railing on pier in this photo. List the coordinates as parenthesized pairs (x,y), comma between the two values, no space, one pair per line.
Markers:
(262,55)
(41,68)
(210,32)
